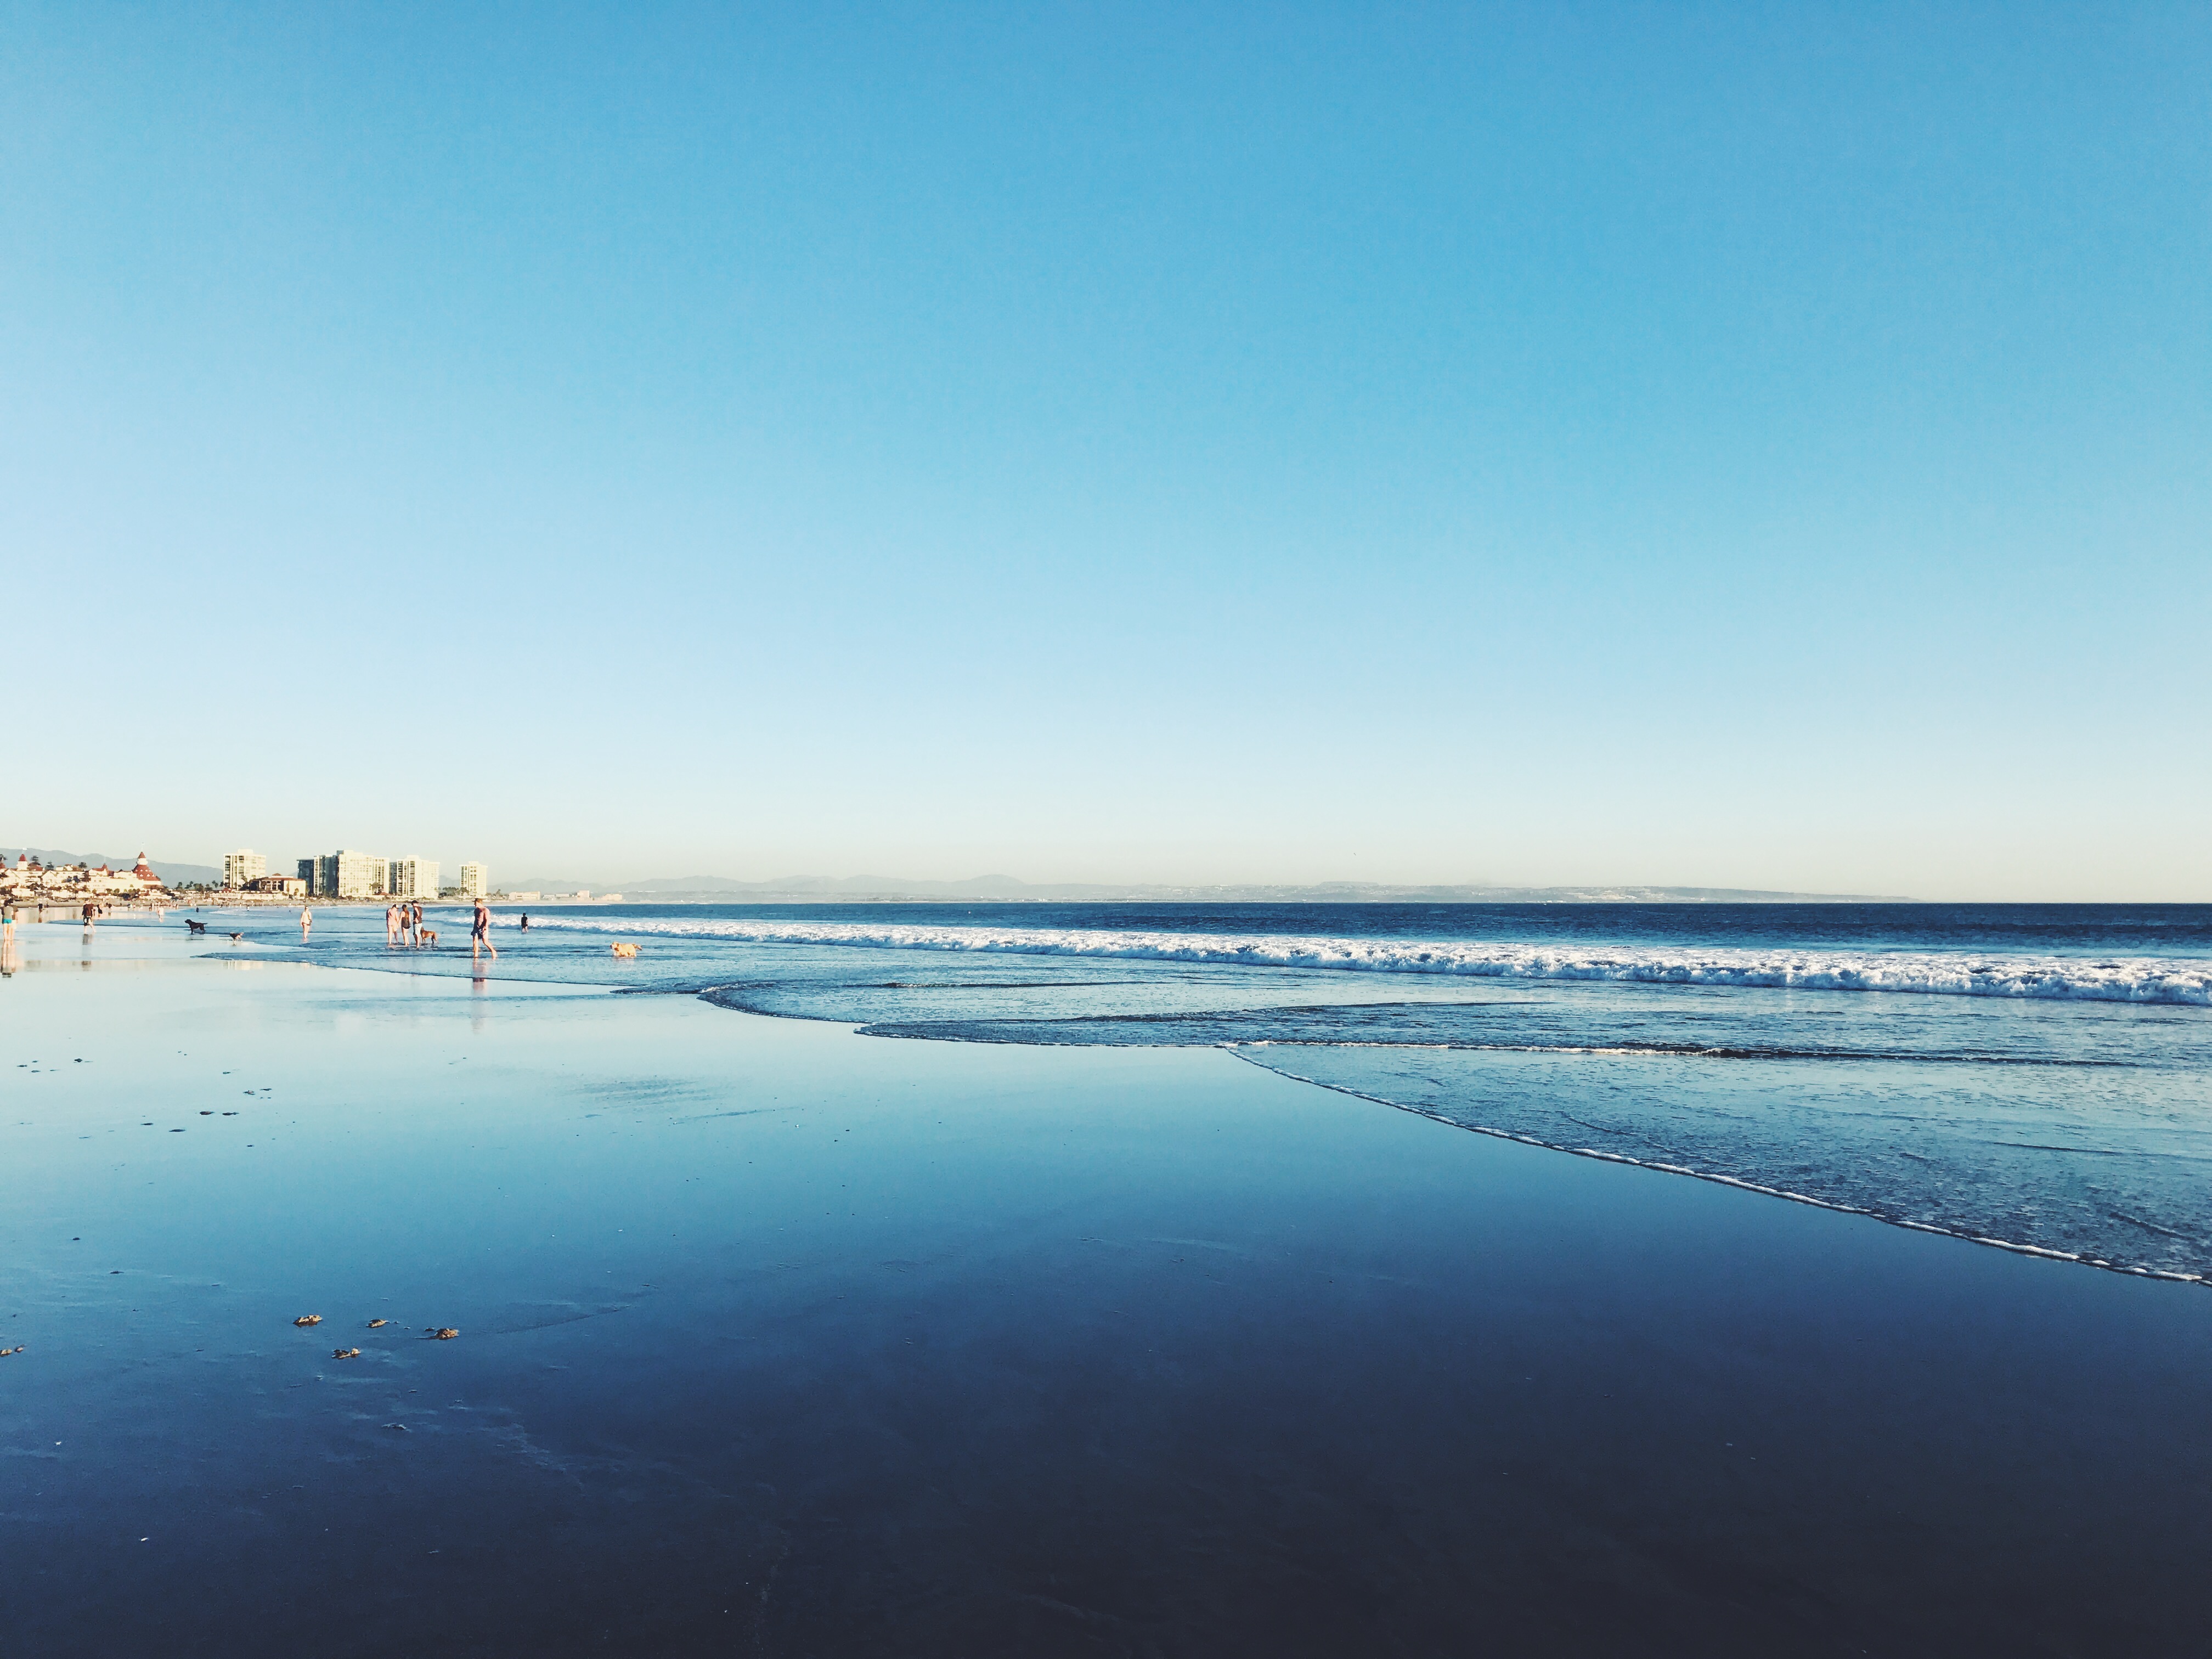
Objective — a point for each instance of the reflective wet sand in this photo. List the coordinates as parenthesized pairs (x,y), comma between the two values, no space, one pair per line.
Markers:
(772,1339)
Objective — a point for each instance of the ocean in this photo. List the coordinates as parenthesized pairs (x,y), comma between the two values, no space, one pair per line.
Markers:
(550,1303)
(2037,1078)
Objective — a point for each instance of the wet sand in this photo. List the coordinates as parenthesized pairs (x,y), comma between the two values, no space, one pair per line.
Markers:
(778,1339)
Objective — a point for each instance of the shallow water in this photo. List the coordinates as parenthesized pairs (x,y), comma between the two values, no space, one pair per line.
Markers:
(2039,1077)
(777,1340)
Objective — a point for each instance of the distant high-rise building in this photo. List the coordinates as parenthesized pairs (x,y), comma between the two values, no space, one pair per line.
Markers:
(475,882)
(307,873)
(242,867)
(411,879)
(348,874)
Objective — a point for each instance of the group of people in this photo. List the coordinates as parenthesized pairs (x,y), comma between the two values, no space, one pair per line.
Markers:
(403,924)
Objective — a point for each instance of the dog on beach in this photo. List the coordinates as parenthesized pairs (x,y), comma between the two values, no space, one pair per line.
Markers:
(235,938)
(197,926)
(625,950)
(426,936)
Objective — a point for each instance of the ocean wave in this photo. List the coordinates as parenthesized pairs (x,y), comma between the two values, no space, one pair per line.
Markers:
(2136,980)
(1875,1210)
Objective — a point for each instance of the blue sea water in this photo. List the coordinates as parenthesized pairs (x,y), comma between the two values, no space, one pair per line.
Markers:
(2038,1077)
(776,1339)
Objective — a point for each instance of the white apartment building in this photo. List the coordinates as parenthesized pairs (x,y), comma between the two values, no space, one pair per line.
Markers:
(476,882)
(354,875)
(411,879)
(243,866)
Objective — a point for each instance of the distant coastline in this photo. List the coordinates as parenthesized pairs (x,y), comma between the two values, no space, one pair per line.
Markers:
(999,889)
(1003,890)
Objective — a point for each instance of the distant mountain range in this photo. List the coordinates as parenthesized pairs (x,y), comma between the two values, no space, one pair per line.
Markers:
(862,889)
(174,874)
(868,889)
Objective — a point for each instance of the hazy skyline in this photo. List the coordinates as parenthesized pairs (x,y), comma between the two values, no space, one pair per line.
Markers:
(1741,446)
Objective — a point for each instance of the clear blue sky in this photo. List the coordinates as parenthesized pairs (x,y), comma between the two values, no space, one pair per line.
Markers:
(1765,445)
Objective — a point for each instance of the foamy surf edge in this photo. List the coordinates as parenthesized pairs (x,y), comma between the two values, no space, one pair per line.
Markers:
(2080,1258)
(2133,979)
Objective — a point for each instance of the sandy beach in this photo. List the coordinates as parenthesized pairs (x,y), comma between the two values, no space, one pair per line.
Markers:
(776,1338)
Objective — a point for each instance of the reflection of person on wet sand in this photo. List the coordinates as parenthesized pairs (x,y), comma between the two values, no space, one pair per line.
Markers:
(480,933)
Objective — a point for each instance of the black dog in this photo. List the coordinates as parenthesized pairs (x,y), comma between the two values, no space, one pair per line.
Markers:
(197,926)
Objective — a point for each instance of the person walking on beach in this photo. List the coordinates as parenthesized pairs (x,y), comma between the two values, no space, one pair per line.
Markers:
(415,921)
(525,921)
(480,933)
(392,924)
(307,918)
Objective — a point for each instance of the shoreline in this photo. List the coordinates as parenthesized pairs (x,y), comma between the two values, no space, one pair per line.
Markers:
(510,969)
(2075,1258)
(970,1337)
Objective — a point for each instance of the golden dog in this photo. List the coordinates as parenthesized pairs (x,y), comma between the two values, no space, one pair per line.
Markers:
(625,950)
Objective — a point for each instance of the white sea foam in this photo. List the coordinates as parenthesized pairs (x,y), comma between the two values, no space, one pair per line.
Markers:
(2134,978)
(1245,1051)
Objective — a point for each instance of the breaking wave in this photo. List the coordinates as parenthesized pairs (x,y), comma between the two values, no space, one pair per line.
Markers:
(2131,979)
